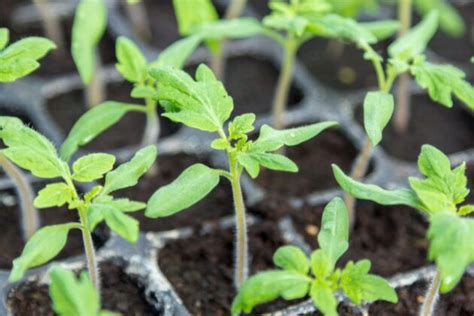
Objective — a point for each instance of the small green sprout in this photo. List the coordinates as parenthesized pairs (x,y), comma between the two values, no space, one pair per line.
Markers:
(440,195)
(318,277)
(31,151)
(204,104)
(90,22)
(72,296)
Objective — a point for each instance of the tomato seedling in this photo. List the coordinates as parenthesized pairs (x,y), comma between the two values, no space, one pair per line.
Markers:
(317,277)
(440,195)
(31,151)
(204,104)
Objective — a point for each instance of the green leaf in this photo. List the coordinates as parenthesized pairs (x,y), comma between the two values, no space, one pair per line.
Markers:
(15,69)
(415,41)
(334,235)
(271,139)
(4,37)
(267,286)
(338,27)
(450,20)
(31,151)
(124,225)
(291,258)
(93,123)
(378,110)
(252,162)
(178,53)
(432,162)
(321,264)
(31,48)
(376,194)
(382,29)
(432,197)
(132,63)
(192,13)
(203,104)
(127,174)
(323,298)
(55,194)
(71,296)
(360,286)
(451,247)
(124,204)
(43,246)
(443,82)
(241,126)
(190,187)
(466,210)
(233,29)
(89,25)
(92,167)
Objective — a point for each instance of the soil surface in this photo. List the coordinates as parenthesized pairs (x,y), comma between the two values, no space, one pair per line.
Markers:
(393,238)
(121,293)
(215,206)
(251,82)
(11,241)
(449,130)
(201,271)
(67,108)
(459,302)
(314,159)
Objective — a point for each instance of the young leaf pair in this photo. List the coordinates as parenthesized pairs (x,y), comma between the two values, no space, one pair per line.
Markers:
(317,277)
(204,104)
(440,195)
(31,151)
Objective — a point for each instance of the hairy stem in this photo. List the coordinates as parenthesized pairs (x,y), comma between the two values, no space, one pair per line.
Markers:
(51,25)
(152,129)
(138,18)
(431,297)
(241,252)
(30,220)
(235,9)
(358,172)
(402,110)
(283,87)
(89,249)
(95,91)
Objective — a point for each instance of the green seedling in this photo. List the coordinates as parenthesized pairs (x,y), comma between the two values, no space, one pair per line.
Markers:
(51,24)
(31,151)
(16,61)
(204,104)
(440,195)
(73,296)
(200,18)
(318,277)
(133,66)
(90,22)
(443,83)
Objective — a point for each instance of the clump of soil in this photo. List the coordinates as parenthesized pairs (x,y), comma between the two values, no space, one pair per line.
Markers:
(121,293)
(459,302)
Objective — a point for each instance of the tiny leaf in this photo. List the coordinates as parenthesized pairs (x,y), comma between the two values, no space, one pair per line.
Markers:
(55,194)
(378,110)
(131,62)
(291,258)
(92,167)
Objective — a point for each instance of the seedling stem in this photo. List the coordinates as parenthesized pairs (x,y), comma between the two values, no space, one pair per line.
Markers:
(30,221)
(51,25)
(431,297)
(152,129)
(95,91)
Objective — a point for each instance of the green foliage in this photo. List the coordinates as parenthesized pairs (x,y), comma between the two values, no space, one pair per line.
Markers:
(132,63)
(90,22)
(177,53)
(32,151)
(21,58)
(450,20)
(378,110)
(74,297)
(189,14)
(352,8)
(439,194)
(382,29)
(318,277)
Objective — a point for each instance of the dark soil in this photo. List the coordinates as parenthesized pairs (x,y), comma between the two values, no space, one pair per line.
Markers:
(121,293)
(470,182)
(393,238)
(201,269)
(67,108)
(215,206)
(260,6)
(314,159)
(251,82)
(459,302)
(11,241)
(450,130)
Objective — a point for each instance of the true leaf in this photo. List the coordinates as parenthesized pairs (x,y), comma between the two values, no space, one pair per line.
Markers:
(92,167)
(192,13)
(124,225)
(233,29)
(15,69)
(241,125)
(382,29)
(32,48)
(178,53)
(291,258)
(43,246)
(127,174)
(378,110)
(89,25)
(191,186)
(321,264)
(267,160)
(55,194)
(287,284)
(131,62)
(450,20)
(323,298)
(432,162)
